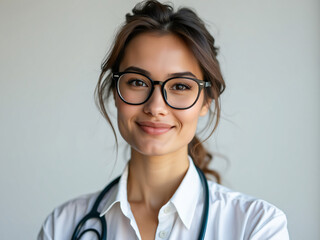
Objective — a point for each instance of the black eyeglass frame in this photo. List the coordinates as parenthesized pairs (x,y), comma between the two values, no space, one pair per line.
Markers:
(201,83)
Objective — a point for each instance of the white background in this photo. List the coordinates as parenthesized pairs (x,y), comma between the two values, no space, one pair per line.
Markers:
(54,145)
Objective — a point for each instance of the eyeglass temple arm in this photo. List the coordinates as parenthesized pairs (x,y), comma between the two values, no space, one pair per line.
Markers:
(207,84)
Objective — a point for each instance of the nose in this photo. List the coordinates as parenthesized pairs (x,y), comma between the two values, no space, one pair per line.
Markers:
(156,106)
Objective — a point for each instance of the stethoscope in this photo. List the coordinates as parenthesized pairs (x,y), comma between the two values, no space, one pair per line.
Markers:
(94,214)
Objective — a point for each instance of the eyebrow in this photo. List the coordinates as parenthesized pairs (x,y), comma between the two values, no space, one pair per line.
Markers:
(145,72)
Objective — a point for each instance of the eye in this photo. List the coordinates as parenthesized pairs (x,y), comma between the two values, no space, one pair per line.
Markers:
(180,87)
(137,83)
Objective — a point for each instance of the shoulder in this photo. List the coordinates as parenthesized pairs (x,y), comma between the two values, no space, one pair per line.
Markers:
(226,197)
(81,204)
(63,219)
(255,217)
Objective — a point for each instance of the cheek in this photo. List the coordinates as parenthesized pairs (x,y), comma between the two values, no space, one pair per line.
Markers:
(188,120)
(124,114)
(123,110)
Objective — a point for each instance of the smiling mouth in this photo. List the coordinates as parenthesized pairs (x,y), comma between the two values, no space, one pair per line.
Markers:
(154,128)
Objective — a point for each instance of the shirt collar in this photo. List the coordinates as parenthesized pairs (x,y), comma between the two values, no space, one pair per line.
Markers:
(185,198)
(119,196)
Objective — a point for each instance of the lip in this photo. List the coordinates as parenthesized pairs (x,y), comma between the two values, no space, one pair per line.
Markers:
(154,128)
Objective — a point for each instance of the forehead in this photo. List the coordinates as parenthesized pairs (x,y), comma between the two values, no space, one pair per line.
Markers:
(160,54)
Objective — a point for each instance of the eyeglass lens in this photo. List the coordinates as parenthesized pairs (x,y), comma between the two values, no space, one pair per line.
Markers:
(178,92)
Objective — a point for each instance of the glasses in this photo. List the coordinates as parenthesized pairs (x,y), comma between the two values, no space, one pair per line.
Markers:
(178,92)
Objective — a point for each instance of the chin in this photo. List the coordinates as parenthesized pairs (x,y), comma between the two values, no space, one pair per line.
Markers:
(151,152)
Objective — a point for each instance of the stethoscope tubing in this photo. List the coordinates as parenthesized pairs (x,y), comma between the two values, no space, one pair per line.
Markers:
(94,214)
(205,213)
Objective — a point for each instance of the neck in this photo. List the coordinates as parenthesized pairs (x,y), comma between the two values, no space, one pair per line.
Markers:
(152,180)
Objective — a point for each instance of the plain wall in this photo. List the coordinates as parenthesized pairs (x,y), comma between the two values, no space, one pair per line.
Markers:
(54,144)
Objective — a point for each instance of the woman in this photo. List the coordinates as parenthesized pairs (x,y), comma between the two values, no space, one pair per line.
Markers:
(163,74)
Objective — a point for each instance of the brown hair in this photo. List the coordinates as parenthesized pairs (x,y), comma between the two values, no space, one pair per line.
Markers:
(152,16)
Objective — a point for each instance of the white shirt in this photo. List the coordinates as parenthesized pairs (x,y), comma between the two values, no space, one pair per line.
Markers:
(232,215)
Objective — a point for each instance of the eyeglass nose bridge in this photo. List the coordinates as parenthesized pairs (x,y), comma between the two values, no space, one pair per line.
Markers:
(163,90)
(158,83)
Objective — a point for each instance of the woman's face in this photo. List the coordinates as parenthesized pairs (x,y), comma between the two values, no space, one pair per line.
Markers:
(154,128)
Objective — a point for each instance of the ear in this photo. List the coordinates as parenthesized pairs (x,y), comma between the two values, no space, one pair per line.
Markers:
(205,107)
